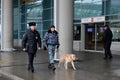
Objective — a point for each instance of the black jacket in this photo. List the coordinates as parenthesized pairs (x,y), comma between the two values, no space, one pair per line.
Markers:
(107,36)
(30,40)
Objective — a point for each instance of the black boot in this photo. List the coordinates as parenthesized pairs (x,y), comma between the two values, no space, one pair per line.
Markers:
(32,70)
(49,66)
(53,67)
(110,57)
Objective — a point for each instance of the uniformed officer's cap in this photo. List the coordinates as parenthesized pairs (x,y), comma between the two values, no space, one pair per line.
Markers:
(32,24)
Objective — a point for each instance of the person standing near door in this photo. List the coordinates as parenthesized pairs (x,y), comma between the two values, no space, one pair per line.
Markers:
(107,40)
(29,43)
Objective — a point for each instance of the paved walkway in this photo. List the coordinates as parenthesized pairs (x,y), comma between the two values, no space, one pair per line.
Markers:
(92,66)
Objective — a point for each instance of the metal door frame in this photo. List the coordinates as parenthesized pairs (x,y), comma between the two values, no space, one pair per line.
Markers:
(83,36)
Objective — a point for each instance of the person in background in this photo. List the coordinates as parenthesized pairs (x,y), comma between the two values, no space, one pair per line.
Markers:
(29,43)
(51,41)
(107,40)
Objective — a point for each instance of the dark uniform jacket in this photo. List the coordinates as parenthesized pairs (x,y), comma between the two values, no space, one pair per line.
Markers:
(107,37)
(30,40)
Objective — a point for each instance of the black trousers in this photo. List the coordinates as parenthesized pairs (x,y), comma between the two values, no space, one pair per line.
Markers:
(107,50)
(31,59)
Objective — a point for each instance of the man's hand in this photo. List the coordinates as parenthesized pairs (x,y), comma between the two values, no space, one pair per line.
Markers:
(24,49)
(39,48)
(57,46)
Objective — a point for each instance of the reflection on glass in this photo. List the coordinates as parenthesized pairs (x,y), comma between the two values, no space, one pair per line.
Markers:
(115,27)
(115,6)
(39,11)
(90,37)
(77,32)
(87,8)
(93,36)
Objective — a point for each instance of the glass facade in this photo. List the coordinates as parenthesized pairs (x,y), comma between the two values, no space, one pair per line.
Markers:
(41,12)
(93,8)
(87,8)
(115,4)
(25,11)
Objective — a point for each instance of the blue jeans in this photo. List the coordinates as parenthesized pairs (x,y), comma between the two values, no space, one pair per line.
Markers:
(51,51)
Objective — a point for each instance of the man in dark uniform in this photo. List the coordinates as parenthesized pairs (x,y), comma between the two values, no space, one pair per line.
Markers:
(29,43)
(107,40)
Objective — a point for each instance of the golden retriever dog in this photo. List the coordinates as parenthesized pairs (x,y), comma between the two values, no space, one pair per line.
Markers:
(66,58)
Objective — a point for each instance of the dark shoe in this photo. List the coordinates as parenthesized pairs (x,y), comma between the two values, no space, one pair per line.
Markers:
(49,66)
(32,70)
(110,57)
(53,67)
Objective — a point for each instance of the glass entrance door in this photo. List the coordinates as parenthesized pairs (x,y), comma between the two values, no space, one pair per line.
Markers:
(99,35)
(90,36)
(93,36)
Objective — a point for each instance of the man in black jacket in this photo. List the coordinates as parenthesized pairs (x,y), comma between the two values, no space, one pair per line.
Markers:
(107,40)
(29,43)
